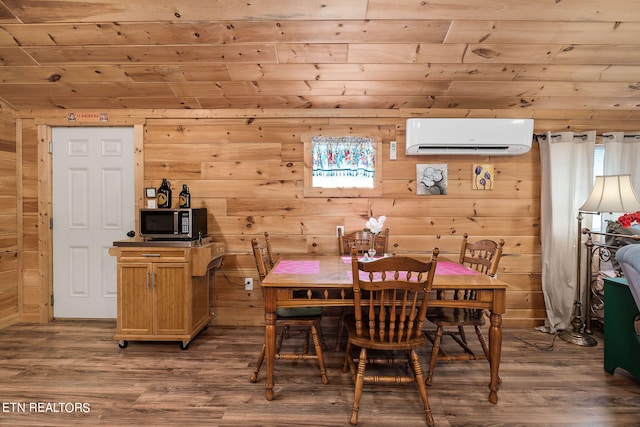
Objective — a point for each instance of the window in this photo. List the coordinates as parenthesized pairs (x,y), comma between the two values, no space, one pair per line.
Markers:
(344,166)
(598,169)
(342,162)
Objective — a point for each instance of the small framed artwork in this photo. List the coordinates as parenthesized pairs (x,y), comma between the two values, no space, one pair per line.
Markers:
(431,179)
(483,177)
(150,192)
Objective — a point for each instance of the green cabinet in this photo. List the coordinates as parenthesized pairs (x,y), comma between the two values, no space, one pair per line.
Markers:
(621,339)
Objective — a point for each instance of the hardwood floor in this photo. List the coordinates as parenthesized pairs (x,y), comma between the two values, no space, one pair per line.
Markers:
(78,375)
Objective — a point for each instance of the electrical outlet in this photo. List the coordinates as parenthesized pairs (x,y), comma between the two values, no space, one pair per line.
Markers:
(393,150)
(248,284)
(339,227)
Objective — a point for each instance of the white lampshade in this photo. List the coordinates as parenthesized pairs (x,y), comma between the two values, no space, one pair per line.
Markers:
(612,193)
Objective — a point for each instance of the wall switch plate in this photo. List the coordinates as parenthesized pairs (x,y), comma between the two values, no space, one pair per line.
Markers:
(339,227)
(393,150)
(248,284)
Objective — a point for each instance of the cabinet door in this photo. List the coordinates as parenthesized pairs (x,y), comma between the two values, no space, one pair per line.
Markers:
(135,299)
(170,284)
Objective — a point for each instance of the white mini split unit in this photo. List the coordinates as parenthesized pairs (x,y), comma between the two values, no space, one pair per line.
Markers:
(479,137)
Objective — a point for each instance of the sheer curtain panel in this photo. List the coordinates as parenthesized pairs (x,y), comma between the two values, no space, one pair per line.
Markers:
(622,156)
(567,179)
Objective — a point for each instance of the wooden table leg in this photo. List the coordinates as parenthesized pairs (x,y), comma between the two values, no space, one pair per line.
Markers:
(495,350)
(270,337)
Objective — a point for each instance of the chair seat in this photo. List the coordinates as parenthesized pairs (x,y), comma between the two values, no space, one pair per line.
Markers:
(449,316)
(365,339)
(290,312)
(287,312)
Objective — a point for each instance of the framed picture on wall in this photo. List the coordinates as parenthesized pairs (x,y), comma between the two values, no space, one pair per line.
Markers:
(483,177)
(431,179)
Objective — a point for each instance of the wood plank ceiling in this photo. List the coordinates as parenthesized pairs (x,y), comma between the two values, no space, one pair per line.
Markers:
(374,54)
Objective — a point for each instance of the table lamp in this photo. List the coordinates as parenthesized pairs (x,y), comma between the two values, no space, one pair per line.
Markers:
(611,193)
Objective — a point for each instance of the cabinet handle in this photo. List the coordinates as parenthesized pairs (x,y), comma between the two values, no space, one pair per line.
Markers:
(147,279)
(151,255)
(153,280)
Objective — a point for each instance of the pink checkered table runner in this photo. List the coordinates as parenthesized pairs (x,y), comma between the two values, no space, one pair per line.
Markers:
(448,267)
(297,267)
(443,267)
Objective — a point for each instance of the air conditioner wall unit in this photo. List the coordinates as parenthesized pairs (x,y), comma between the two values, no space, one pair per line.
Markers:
(480,137)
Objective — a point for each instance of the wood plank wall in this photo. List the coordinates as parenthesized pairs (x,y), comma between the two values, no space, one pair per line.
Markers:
(8,218)
(249,174)
(246,167)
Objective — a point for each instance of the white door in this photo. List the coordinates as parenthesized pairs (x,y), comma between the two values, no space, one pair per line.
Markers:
(93,205)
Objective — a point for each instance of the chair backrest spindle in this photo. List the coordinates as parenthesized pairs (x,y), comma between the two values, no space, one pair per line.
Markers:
(271,259)
(262,256)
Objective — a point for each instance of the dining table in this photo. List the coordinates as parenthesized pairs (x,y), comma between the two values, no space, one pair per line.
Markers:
(327,280)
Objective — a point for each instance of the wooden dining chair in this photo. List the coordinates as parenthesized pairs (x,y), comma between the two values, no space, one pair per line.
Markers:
(484,257)
(307,318)
(361,240)
(390,304)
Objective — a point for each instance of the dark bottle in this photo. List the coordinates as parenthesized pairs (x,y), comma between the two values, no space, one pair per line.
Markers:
(164,194)
(185,197)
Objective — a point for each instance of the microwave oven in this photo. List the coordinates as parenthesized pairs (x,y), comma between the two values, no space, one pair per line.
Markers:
(173,224)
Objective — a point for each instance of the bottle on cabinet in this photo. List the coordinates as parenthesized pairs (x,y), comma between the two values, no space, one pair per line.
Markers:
(185,197)
(164,194)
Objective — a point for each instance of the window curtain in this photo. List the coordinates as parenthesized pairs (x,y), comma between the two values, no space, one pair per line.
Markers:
(347,156)
(622,156)
(567,179)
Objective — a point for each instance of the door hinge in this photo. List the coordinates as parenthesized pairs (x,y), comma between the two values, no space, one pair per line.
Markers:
(50,223)
(51,147)
(51,300)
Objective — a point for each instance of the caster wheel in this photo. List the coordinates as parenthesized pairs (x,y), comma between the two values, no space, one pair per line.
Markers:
(123,344)
(184,345)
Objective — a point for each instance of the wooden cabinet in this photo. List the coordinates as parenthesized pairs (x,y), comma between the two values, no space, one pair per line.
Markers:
(163,292)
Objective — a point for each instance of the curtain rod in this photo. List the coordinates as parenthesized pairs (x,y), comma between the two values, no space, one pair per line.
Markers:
(585,136)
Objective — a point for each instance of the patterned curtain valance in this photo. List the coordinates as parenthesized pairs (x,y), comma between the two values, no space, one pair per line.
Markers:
(344,156)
